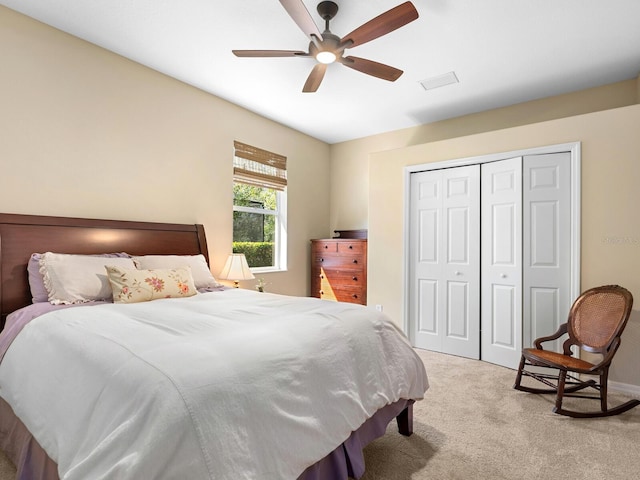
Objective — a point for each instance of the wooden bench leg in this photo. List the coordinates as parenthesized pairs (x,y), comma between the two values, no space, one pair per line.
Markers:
(405,421)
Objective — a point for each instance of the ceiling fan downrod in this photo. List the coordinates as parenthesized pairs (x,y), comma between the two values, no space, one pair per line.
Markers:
(328,47)
(327,11)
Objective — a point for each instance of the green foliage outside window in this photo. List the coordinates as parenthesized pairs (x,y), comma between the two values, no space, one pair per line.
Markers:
(254,232)
(245,195)
(258,254)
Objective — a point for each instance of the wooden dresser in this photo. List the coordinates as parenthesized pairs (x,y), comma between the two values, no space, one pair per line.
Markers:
(339,269)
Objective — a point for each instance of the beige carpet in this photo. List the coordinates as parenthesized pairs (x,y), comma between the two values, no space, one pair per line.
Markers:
(473,425)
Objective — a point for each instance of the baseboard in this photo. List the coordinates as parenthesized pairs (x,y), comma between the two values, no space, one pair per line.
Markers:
(625,388)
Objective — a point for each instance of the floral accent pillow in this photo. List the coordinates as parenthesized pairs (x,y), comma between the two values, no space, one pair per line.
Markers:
(132,285)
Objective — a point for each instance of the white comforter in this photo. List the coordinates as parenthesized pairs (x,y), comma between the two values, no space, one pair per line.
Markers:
(225,385)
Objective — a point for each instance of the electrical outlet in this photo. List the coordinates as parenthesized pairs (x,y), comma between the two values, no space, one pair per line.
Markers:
(379,308)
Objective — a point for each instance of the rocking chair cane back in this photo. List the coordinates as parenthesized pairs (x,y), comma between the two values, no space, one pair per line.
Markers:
(596,321)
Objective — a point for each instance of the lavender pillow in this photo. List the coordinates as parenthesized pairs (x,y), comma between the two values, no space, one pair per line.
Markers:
(39,293)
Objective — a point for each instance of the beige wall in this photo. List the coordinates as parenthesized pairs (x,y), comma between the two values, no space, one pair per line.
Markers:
(350,160)
(610,196)
(87,133)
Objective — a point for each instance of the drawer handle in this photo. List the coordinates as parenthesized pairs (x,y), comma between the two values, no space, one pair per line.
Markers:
(350,247)
(322,259)
(355,279)
(326,246)
(321,276)
(355,261)
(321,292)
(355,295)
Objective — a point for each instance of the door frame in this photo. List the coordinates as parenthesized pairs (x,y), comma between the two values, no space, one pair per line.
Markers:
(574,148)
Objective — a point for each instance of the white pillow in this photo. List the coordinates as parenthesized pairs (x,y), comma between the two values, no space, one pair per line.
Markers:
(78,278)
(202,276)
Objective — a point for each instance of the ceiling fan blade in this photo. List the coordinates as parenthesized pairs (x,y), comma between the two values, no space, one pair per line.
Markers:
(269,53)
(299,13)
(370,67)
(315,78)
(381,25)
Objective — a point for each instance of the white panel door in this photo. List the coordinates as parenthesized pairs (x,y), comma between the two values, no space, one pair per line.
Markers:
(528,240)
(445,260)
(547,245)
(501,262)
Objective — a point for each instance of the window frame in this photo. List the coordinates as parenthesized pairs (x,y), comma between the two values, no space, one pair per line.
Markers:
(278,185)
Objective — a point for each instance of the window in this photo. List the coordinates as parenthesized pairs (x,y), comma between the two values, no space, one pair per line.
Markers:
(260,207)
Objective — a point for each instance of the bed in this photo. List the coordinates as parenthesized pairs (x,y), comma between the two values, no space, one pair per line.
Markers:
(219,425)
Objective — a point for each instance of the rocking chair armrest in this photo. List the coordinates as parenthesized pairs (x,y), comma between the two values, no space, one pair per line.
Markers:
(561,331)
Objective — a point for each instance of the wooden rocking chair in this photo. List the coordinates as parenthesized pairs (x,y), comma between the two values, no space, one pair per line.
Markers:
(595,324)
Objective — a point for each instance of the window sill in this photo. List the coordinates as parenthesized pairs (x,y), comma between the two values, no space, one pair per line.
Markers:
(258,270)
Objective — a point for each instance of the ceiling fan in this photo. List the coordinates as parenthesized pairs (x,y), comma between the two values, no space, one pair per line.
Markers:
(328,48)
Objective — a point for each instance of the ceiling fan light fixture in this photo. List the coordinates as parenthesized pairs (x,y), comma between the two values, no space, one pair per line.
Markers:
(326,57)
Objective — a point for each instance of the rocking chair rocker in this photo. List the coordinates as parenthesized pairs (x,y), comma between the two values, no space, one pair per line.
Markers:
(595,324)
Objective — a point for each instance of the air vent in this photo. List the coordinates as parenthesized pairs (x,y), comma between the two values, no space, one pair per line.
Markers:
(439,81)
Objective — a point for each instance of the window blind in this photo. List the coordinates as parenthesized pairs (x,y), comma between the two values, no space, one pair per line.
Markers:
(260,168)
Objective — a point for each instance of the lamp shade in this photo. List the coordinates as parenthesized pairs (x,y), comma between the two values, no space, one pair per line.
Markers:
(236,268)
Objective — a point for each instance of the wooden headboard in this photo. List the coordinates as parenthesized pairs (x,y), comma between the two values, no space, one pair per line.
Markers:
(22,235)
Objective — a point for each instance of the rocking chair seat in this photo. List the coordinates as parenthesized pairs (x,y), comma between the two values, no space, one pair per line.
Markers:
(557,360)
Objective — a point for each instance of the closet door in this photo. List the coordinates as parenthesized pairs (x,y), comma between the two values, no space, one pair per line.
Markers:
(445,259)
(501,262)
(547,294)
(508,224)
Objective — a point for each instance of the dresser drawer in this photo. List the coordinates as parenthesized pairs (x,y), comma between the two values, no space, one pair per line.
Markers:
(340,277)
(328,246)
(344,262)
(342,294)
(351,248)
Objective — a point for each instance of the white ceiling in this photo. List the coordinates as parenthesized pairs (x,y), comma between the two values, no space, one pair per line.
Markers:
(503,52)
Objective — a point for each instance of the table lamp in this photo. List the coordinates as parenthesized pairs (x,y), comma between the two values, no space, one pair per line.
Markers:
(236,268)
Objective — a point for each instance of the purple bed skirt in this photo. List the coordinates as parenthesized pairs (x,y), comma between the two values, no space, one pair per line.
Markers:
(32,463)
